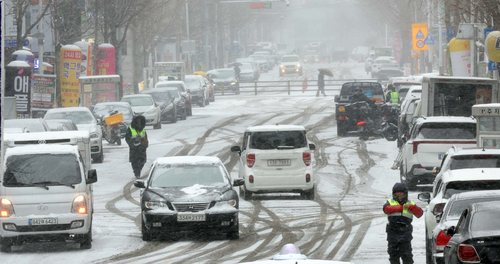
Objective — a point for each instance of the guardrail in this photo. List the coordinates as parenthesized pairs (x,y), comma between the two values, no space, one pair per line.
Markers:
(290,86)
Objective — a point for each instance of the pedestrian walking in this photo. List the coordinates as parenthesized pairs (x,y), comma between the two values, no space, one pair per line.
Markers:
(137,140)
(321,83)
(400,211)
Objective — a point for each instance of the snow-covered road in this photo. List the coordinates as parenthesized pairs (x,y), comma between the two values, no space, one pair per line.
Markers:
(344,222)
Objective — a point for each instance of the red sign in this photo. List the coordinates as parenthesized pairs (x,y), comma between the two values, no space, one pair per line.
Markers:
(260,6)
(71,54)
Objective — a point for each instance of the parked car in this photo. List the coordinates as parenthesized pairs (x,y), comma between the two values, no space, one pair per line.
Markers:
(415,91)
(430,138)
(290,63)
(103,109)
(166,103)
(145,105)
(197,89)
(262,61)
(247,73)
(378,62)
(225,77)
(208,85)
(449,217)
(405,120)
(61,125)
(179,100)
(476,237)
(188,194)
(27,125)
(84,120)
(270,60)
(181,86)
(255,66)
(276,158)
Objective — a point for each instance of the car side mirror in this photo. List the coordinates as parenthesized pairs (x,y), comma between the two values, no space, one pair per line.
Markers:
(236,149)
(337,98)
(424,197)
(139,184)
(91,176)
(436,170)
(438,217)
(312,146)
(238,182)
(414,119)
(450,231)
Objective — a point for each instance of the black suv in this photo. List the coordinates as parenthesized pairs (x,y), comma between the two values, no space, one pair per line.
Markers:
(372,90)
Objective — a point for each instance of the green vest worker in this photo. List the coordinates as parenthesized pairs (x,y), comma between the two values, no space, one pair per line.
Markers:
(395,97)
(400,212)
(137,140)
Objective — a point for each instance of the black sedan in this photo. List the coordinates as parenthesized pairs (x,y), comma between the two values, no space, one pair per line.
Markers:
(188,194)
(179,100)
(476,237)
(166,102)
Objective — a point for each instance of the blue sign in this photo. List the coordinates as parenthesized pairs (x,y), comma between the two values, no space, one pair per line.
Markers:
(12,43)
(420,35)
(429,40)
(450,31)
(487,31)
(492,66)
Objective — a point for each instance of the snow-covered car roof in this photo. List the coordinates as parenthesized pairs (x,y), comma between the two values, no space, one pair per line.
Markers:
(46,135)
(194,160)
(475,195)
(476,151)
(41,149)
(451,78)
(475,174)
(124,104)
(445,119)
(486,206)
(69,109)
(267,128)
(171,82)
(137,95)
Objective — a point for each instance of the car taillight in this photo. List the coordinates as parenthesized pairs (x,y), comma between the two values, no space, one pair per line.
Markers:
(342,117)
(251,179)
(467,253)
(306,156)
(438,208)
(361,123)
(250,160)
(79,205)
(442,239)
(6,208)
(308,177)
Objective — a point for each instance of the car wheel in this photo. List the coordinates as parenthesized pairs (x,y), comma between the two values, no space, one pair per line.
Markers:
(410,184)
(308,195)
(100,157)
(5,244)
(158,124)
(212,99)
(190,111)
(146,234)
(428,250)
(235,233)
(245,194)
(173,119)
(184,114)
(207,102)
(87,240)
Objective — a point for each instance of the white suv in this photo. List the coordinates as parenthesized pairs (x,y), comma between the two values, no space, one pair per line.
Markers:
(276,158)
(290,63)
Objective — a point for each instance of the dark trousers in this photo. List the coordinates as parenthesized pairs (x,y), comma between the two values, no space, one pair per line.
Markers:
(400,250)
(137,165)
(320,89)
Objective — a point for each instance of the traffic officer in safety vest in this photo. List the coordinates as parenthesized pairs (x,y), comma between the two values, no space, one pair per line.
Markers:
(400,212)
(137,140)
(392,96)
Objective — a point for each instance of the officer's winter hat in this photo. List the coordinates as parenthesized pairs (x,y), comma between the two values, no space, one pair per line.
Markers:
(400,187)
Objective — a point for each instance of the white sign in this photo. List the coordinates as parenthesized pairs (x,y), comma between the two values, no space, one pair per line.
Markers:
(407,67)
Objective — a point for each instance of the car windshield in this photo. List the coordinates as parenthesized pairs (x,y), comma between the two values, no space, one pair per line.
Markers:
(79,117)
(103,110)
(138,101)
(224,74)
(160,96)
(289,59)
(274,140)
(33,125)
(466,186)
(41,169)
(174,93)
(443,130)
(486,221)
(179,86)
(193,83)
(184,175)
(350,88)
(246,66)
(458,206)
(258,57)
(474,161)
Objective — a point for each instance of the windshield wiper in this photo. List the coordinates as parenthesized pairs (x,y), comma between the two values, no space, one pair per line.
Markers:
(45,183)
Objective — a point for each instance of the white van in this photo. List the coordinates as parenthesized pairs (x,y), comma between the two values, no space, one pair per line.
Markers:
(76,138)
(276,158)
(45,195)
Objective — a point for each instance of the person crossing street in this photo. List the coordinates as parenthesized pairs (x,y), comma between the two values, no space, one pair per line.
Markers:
(400,211)
(137,140)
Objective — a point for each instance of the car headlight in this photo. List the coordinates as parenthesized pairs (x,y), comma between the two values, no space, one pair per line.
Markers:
(298,65)
(150,112)
(282,66)
(233,82)
(231,202)
(155,204)
(94,135)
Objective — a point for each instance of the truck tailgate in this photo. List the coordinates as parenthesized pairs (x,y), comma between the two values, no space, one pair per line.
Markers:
(430,153)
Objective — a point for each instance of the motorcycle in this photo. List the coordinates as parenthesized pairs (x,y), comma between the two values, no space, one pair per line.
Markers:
(111,132)
(371,122)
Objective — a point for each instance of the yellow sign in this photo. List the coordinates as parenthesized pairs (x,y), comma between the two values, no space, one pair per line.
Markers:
(70,59)
(493,46)
(419,33)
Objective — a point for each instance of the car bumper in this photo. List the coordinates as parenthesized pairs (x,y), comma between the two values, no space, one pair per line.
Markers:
(223,222)
(151,119)
(290,70)
(246,78)
(95,145)
(218,87)
(421,175)
(279,183)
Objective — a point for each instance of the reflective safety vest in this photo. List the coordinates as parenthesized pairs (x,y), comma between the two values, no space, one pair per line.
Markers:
(134,132)
(395,97)
(406,213)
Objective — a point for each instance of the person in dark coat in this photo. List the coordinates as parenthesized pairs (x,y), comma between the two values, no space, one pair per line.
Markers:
(321,83)
(400,212)
(137,140)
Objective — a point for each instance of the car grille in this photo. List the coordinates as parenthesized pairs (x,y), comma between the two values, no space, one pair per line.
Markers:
(40,228)
(290,66)
(43,141)
(190,207)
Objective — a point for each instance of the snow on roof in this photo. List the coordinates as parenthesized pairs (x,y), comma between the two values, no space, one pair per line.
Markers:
(41,149)
(136,95)
(68,109)
(193,160)
(476,174)
(476,151)
(22,52)
(71,47)
(113,103)
(106,45)
(487,206)
(475,194)
(429,77)
(486,105)
(46,135)
(267,128)
(446,119)
(18,63)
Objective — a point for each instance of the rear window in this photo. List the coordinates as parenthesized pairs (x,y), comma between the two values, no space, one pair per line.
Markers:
(474,161)
(482,221)
(349,88)
(466,186)
(459,206)
(278,139)
(451,99)
(447,131)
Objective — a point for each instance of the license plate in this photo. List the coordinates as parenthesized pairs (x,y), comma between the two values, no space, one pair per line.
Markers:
(191,217)
(43,221)
(279,162)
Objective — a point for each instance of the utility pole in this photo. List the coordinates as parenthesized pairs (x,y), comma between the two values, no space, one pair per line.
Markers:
(40,38)
(207,47)
(189,67)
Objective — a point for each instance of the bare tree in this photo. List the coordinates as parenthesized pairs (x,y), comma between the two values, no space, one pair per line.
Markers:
(19,10)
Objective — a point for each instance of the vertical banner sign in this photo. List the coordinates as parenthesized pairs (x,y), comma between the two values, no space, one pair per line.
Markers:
(418,33)
(44,93)
(18,85)
(105,66)
(460,57)
(70,59)
(86,65)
